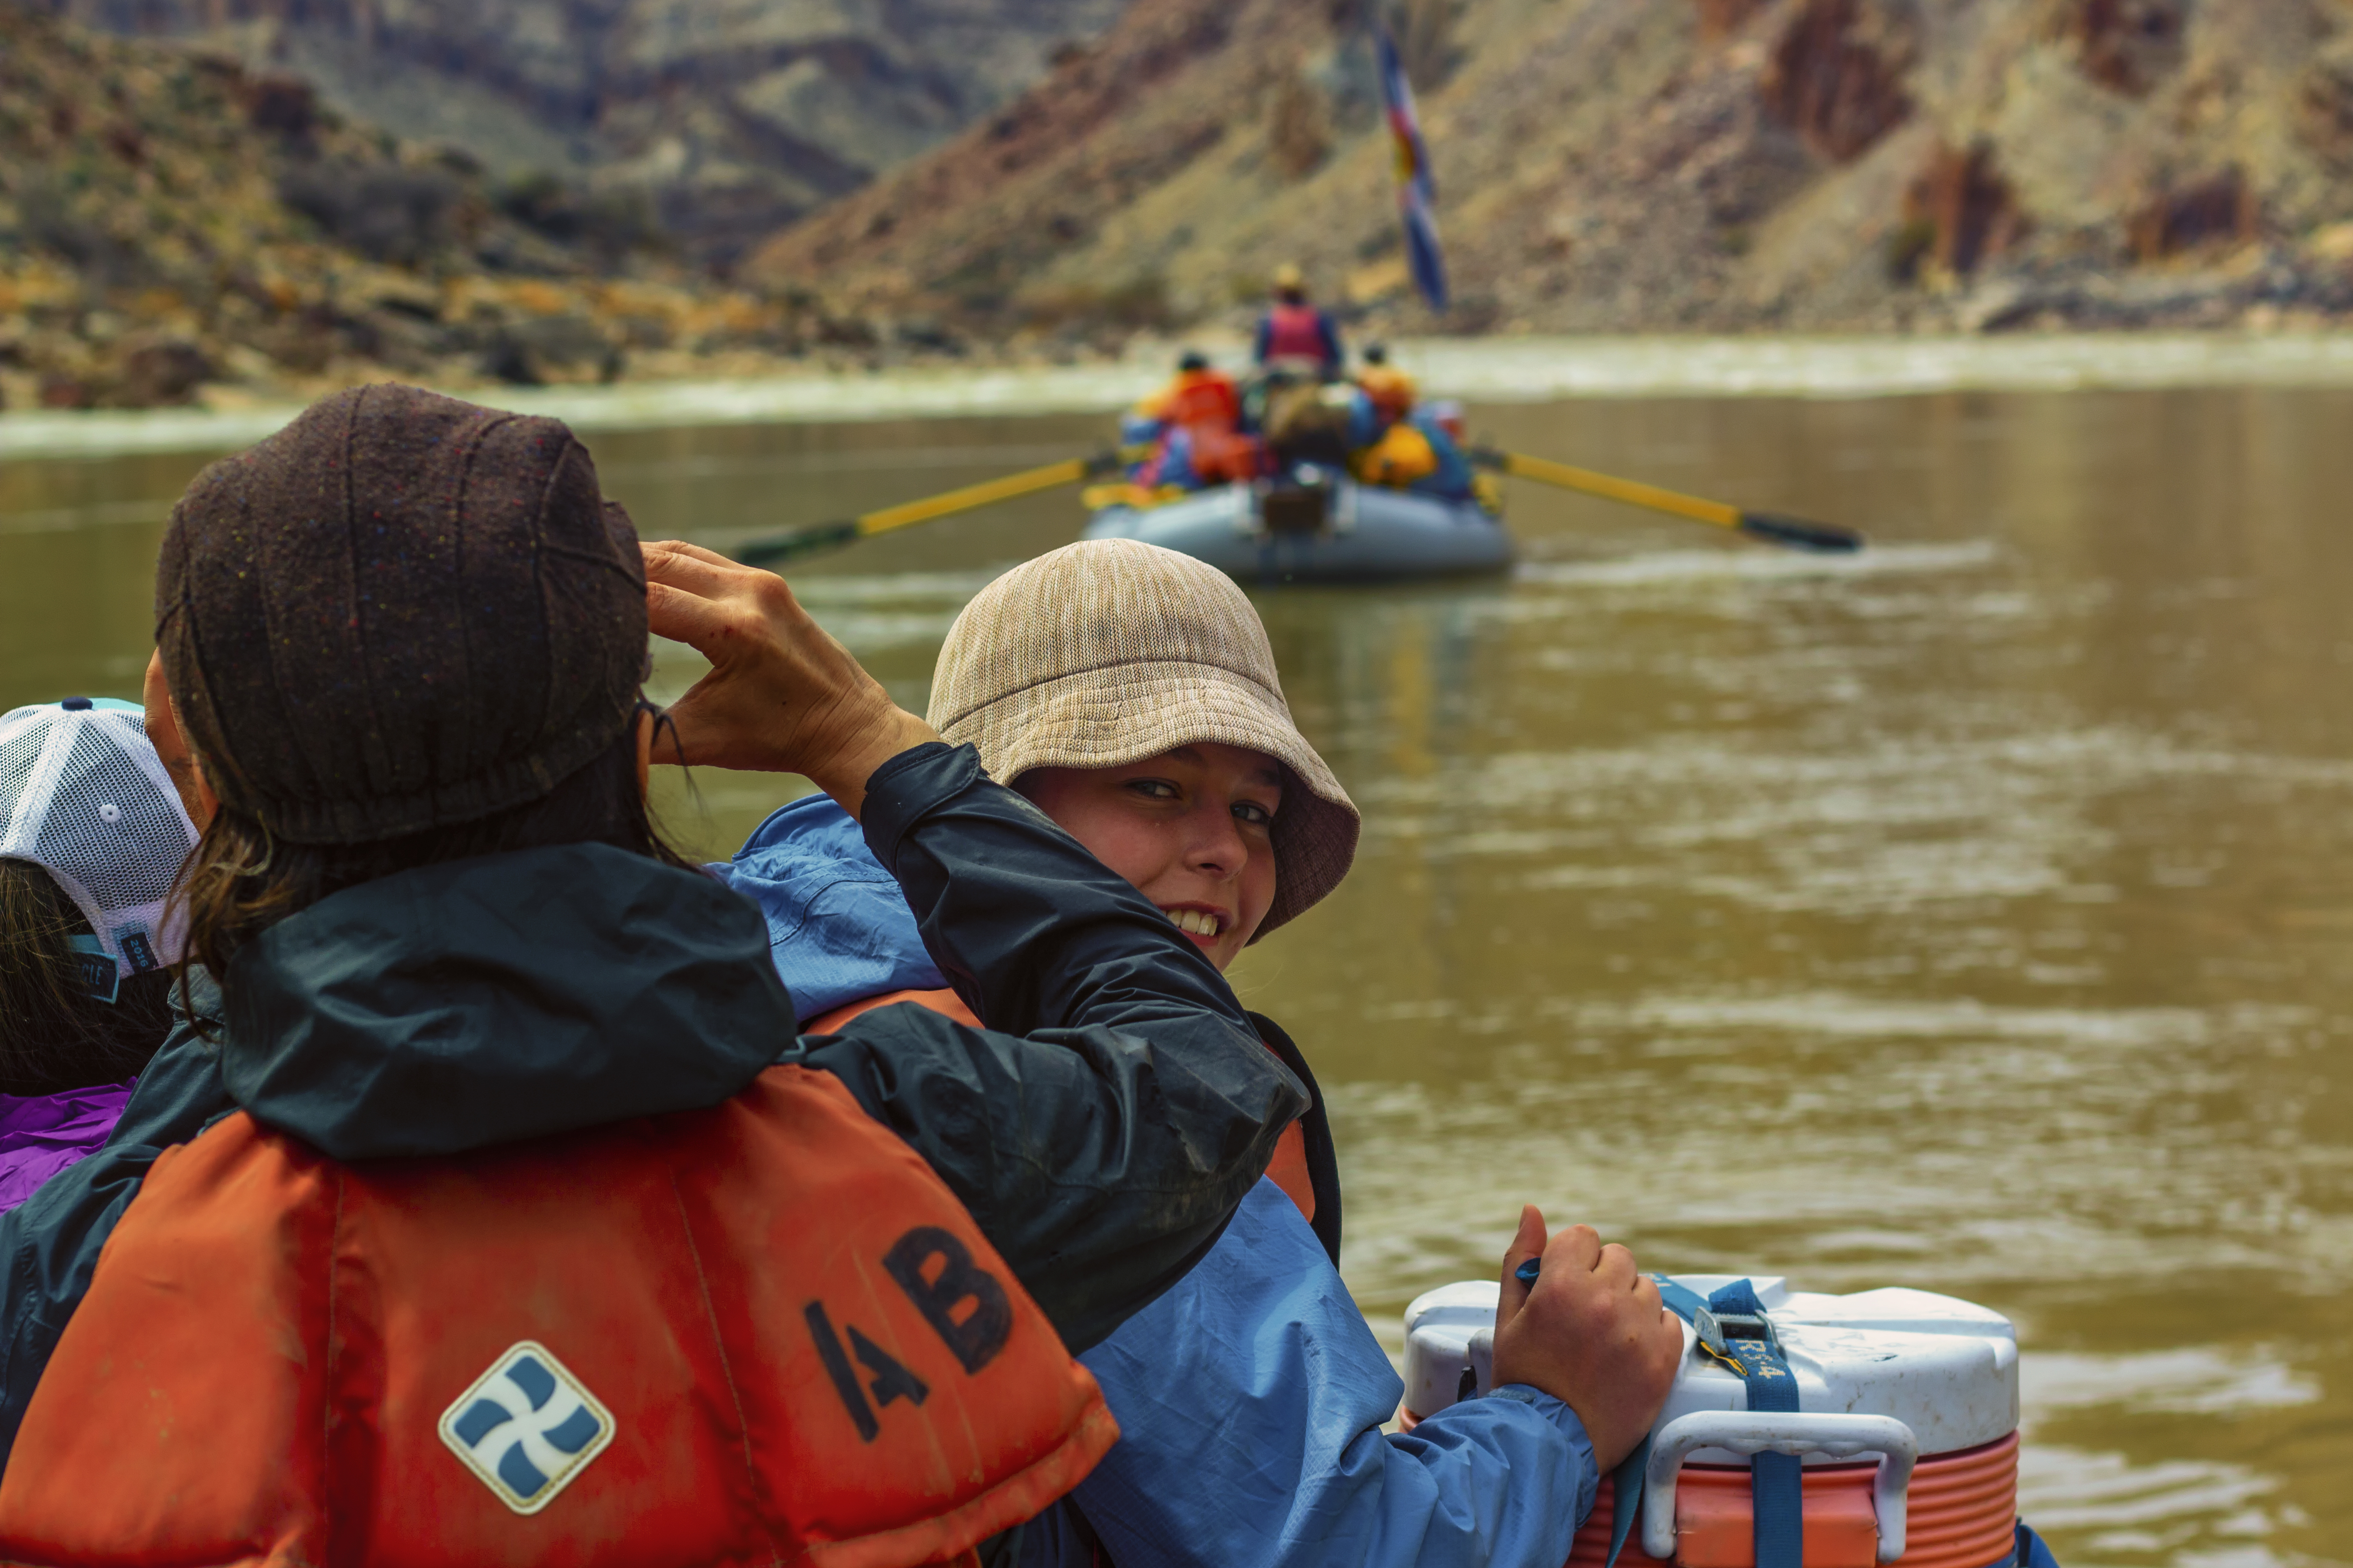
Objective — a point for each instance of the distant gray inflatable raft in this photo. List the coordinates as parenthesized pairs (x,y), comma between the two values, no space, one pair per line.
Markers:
(1338,533)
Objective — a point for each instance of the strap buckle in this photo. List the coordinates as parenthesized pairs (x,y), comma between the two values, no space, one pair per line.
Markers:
(1717,1329)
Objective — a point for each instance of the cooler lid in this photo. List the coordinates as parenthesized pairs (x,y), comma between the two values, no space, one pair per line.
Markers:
(1945,1367)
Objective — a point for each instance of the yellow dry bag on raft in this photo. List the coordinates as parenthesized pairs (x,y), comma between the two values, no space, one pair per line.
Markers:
(1401,456)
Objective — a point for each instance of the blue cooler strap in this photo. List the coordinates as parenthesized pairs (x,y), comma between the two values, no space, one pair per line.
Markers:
(1743,1341)
(1683,1303)
(1626,1497)
(1626,1481)
(1750,1347)
(2031,1551)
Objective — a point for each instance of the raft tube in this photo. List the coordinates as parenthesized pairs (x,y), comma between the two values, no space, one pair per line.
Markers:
(1349,532)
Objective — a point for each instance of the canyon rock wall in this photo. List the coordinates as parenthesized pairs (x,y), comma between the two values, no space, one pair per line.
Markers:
(1647,165)
(724,118)
(173,225)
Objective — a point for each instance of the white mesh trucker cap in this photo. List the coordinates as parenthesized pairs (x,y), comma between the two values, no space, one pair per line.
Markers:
(84,797)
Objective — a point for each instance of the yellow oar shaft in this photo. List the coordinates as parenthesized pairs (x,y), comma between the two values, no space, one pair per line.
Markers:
(1627,490)
(1064,473)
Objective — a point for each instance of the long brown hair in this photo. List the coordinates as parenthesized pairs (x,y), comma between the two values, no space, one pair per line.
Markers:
(55,1035)
(240,880)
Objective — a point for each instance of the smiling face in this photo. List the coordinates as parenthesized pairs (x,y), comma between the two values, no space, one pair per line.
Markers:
(1192,828)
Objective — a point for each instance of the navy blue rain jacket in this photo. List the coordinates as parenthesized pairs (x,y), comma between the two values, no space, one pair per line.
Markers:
(1101,1135)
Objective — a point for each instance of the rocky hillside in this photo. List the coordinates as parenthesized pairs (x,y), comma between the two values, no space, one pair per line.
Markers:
(173,225)
(1647,164)
(724,118)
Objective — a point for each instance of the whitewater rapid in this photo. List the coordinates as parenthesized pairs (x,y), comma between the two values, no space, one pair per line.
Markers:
(1481,370)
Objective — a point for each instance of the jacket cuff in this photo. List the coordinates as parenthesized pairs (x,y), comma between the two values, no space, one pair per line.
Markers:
(909,787)
(1565,1421)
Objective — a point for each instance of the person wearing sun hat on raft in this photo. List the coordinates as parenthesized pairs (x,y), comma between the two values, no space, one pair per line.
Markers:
(1130,694)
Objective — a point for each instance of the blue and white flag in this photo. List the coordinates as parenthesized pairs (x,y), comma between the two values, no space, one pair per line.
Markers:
(1416,191)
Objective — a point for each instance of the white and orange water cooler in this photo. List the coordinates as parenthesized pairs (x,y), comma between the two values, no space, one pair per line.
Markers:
(1906,1426)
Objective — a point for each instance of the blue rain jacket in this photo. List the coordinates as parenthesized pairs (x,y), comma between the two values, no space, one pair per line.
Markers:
(1251,1395)
(839,927)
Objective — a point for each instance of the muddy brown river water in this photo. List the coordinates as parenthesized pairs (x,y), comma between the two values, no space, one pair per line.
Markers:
(1973,914)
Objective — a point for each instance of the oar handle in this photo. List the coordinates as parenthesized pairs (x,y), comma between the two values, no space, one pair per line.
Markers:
(812,540)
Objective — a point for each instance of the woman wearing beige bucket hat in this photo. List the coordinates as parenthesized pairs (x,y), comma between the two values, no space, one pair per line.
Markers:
(1130,694)
(1070,673)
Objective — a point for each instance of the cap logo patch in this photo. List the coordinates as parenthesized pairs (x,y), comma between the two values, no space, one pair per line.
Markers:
(527,1428)
(100,976)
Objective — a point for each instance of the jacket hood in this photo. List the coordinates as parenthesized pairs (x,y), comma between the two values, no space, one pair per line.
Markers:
(512,996)
(839,927)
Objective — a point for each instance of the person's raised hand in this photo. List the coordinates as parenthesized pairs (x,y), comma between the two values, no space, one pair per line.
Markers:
(782,695)
(1590,1332)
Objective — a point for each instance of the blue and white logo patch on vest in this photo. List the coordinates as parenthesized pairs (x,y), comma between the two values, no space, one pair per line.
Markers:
(527,1428)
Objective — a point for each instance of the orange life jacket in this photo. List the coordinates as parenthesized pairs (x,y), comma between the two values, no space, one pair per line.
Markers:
(761,1331)
(1391,390)
(1201,397)
(1288,1168)
(1220,456)
(1205,404)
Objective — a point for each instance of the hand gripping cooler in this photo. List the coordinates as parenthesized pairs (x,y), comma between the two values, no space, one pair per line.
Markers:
(1901,1441)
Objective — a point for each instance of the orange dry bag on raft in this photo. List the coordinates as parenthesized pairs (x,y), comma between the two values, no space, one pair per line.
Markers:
(761,1331)
(1288,1169)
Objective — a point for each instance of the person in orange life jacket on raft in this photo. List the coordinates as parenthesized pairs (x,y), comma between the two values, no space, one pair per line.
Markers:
(1294,334)
(1194,427)
(1389,393)
(507,1219)
(1131,693)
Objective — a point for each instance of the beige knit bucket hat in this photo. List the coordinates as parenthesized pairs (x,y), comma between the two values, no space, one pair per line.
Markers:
(1107,652)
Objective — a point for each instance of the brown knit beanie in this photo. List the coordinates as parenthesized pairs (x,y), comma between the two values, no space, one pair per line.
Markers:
(400,612)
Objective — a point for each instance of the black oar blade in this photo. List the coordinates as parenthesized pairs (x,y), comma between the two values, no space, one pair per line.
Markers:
(800,541)
(1799,534)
